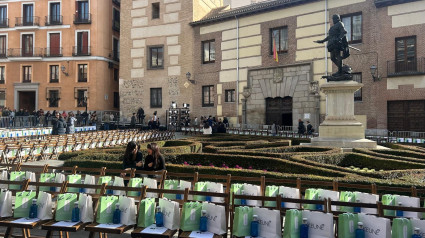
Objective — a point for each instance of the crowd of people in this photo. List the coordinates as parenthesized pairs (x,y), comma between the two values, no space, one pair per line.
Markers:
(23,118)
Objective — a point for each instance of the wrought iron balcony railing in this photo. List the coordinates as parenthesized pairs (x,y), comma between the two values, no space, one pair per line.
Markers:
(404,68)
(53,52)
(54,20)
(25,52)
(27,21)
(4,22)
(81,51)
(82,18)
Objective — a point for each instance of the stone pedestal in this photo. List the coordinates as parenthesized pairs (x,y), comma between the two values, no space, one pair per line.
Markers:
(340,127)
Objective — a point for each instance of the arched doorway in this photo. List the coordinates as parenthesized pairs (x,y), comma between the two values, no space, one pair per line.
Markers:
(279,110)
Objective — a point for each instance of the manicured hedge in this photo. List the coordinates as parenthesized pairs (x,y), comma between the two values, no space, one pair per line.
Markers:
(403,153)
(376,153)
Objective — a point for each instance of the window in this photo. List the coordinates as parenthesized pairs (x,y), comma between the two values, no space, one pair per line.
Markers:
(27,72)
(2,99)
(3,47)
(156,97)
(155,10)
(55,17)
(54,98)
(27,45)
(230,95)
(353,25)
(279,37)
(3,17)
(208,96)
(28,17)
(406,54)
(116,100)
(357,77)
(82,73)
(208,51)
(116,20)
(116,74)
(156,57)
(2,74)
(82,98)
(82,47)
(83,14)
(54,73)
(116,49)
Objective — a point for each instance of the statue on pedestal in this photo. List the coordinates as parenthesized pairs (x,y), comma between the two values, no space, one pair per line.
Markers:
(339,49)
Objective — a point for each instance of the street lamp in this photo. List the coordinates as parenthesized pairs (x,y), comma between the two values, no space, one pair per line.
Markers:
(374,73)
(188,75)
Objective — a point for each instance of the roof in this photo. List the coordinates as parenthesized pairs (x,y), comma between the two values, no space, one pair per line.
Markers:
(220,14)
(385,3)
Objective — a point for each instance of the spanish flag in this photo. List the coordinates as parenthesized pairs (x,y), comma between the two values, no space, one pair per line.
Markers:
(275,55)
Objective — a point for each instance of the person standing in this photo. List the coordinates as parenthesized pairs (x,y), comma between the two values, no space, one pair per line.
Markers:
(196,122)
(310,129)
(141,115)
(106,121)
(301,127)
(71,121)
(133,121)
(93,119)
(274,129)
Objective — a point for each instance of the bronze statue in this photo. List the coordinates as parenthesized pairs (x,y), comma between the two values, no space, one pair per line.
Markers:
(339,49)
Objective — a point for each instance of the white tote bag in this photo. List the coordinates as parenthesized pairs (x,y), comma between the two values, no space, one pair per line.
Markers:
(367,198)
(31,177)
(3,176)
(252,190)
(171,212)
(375,227)
(85,203)
(119,182)
(151,183)
(59,179)
(90,180)
(408,202)
(329,194)
(44,203)
(270,222)
(128,210)
(6,203)
(216,188)
(321,225)
(419,224)
(289,192)
(184,185)
(216,218)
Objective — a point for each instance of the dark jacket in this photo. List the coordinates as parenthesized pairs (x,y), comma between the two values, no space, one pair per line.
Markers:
(60,126)
(131,164)
(156,167)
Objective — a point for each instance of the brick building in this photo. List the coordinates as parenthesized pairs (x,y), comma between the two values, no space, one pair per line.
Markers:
(231,61)
(59,55)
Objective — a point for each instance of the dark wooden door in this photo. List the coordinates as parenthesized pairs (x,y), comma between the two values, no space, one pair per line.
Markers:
(279,110)
(27,45)
(406,115)
(54,44)
(27,100)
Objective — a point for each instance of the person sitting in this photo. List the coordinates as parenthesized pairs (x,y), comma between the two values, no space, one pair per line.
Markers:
(132,158)
(154,161)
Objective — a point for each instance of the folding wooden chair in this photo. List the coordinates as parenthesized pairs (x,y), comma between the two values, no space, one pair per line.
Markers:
(11,224)
(25,152)
(226,204)
(48,151)
(51,227)
(12,154)
(137,233)
(37,151)
(92,227)
(158,175)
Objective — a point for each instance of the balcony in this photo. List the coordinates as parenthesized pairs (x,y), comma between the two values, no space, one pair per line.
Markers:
(82,18)
(54,20)
(81,51)
(116,56)
(4,23)
(53,52)
(2,81)
(27,21)
(20,52)
(116,25)
(116,2)
(406,68)
(3,53)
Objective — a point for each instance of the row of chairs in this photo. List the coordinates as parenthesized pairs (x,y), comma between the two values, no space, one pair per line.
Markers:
(52,146)
(229,202)
(267,132)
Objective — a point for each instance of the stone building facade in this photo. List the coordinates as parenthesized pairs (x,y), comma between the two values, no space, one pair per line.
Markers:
(243,82)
